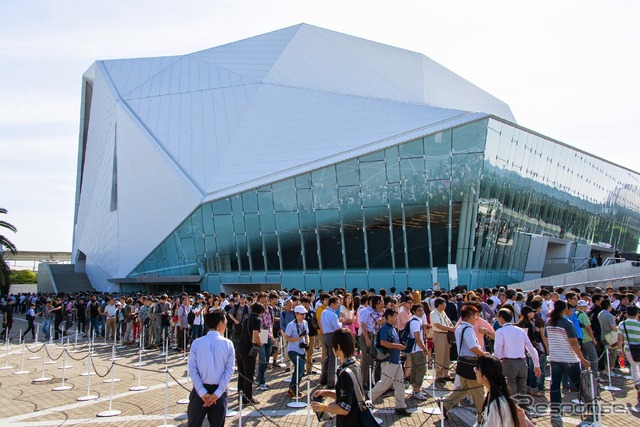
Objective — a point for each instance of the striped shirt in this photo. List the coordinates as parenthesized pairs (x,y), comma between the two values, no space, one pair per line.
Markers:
(632,327)
(559,346)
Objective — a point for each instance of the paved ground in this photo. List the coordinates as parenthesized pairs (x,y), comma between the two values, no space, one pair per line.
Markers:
(27,403)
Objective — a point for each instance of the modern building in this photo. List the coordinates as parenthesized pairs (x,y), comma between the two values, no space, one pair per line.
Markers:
(308,158)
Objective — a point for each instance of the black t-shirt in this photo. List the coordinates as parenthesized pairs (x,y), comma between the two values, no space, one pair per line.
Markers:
(58,313)
(8,311)
(253,323)
(346,396)
(80,310)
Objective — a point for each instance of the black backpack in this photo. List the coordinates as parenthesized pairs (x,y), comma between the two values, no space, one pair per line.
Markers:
(191,316)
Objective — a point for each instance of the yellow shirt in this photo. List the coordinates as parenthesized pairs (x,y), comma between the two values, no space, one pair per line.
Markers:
(318,316)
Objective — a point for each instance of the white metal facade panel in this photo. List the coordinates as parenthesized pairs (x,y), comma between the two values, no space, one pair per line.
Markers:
(96,230)
(324,60)
(252,57)
(152,199)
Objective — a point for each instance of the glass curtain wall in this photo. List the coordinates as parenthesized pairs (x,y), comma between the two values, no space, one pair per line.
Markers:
(468,196)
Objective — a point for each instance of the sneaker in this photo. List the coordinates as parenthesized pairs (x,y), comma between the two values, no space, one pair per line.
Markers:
(419,395)
(263,387)
(402,412)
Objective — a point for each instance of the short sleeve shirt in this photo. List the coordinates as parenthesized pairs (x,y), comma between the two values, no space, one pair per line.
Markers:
(388,333)
(416,326)
(584,322)
(346,396)
(560,349)
(606,320)
(253,324)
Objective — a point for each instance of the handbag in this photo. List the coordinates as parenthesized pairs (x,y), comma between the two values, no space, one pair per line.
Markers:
(366,417)
(465,366)
(451,337)
(634,349)
(611,338)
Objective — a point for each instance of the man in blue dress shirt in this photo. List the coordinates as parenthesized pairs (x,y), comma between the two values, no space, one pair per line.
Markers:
(210,367)
(330,324)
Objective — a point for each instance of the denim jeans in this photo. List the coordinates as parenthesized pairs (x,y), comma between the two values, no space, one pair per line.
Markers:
(46,328)
(557,370)
(543,368)
(298,368)
(94,326)
(196,332)
(265,354)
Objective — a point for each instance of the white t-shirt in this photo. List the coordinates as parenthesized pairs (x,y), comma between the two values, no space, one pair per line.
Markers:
(110,310)
(413,328)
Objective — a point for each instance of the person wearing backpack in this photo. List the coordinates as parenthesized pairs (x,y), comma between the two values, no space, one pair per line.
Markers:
(629,342)
(392,374)
(195,318)
(416,350)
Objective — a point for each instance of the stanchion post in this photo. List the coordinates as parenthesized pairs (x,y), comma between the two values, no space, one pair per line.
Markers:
(609,387)
(111,412)
(240,394)
(63,387)
(89,396)
(22,371)
(6,360)
(166,397)
(42,378)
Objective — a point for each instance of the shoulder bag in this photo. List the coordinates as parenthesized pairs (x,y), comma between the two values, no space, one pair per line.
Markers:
(634,349)
(465,366)
(366,417)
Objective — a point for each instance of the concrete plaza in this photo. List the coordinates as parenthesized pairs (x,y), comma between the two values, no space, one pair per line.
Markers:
(24,402)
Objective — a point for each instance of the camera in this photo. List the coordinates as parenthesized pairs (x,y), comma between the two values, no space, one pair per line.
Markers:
(255,350)
(304,345)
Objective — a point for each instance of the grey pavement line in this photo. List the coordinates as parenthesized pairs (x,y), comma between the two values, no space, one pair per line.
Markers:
(77,405)
(93,420)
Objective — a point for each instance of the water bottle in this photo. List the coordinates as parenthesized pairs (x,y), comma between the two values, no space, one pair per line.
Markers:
(621,361)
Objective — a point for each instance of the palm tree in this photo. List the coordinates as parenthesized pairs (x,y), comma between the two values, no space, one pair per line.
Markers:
(5,243)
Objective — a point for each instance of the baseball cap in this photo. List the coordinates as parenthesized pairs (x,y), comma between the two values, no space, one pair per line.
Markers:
(243,296)
(582,303)
(300,309)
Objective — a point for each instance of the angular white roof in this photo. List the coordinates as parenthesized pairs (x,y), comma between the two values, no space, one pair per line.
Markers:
(247,113)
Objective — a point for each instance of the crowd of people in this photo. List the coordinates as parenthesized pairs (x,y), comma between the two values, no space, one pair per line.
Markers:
(502,340)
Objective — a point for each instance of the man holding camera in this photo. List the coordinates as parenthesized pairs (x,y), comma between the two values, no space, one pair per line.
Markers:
(296,336)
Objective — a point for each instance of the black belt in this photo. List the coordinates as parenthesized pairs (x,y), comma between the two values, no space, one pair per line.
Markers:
(510,358)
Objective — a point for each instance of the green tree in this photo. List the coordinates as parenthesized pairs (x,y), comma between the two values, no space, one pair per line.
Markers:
(23,277)
(5,243)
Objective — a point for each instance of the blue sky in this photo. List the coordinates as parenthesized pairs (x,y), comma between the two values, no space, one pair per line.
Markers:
(567,69)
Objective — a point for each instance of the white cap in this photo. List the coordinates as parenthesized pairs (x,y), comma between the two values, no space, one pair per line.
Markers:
(300,309)
(583,303)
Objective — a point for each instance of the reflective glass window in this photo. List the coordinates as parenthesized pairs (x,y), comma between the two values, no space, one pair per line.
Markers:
(378,237)
(324,188)
(284,196)
(416,222)
(412,149)
(374,190)
(347,173)
(328,225)
(221,207)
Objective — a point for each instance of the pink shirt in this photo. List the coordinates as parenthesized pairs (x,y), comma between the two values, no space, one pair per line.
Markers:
(403,317)
(480,323)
